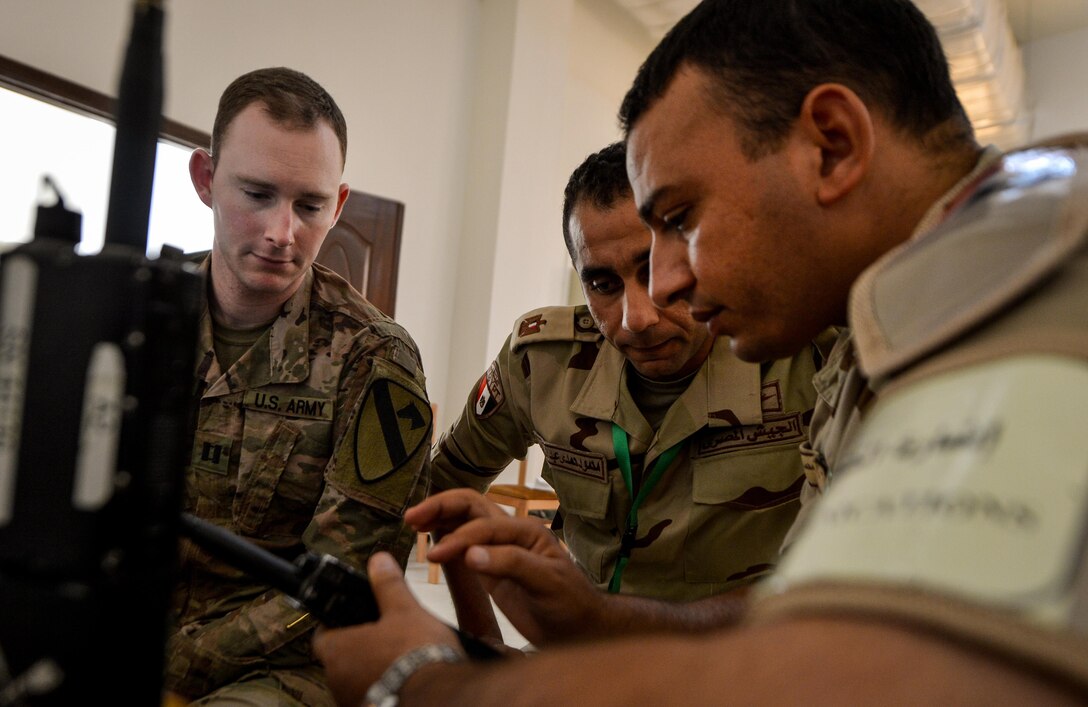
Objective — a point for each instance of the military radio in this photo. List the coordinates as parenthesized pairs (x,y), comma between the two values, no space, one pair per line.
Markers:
(96,360)
(334,593)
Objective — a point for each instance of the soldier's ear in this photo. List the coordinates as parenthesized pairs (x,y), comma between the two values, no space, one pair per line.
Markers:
(341,199)
(837,123)
(201,170)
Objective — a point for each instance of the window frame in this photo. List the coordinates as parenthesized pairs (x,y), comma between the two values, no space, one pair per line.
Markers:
(51,88)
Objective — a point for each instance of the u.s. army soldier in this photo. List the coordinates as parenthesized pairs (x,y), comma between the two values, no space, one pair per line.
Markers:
(313,423)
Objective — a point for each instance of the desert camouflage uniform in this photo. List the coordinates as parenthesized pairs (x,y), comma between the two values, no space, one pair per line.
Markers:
(315,439)
(716,518)
(949,439)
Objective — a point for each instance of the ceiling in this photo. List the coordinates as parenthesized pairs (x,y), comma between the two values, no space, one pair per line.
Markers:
(1037,19)
(989,78)
(1029,19)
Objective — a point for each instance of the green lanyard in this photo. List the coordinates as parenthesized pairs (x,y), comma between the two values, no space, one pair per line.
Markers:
(650,479)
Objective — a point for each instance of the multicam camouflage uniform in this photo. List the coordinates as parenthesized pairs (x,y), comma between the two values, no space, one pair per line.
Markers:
(717,517)
(949,453)
(315,439)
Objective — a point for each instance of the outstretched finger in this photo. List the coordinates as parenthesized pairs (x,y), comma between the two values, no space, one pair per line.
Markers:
(534,573)
(450,509)
(497,530)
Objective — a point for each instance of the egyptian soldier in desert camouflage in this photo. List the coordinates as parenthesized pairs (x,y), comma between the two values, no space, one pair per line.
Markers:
(313,418)
(676,464)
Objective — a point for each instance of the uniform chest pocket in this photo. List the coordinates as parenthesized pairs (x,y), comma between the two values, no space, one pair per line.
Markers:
(743,505)
(578,493)
(750,480)
(267,444)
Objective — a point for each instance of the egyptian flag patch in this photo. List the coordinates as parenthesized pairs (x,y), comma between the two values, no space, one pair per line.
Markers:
(489,393)
(392,424)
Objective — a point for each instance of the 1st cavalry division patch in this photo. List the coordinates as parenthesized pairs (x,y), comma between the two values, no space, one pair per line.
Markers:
(392,424)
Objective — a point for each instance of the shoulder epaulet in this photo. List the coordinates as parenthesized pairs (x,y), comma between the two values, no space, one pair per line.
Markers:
(1017,225)
(571,323)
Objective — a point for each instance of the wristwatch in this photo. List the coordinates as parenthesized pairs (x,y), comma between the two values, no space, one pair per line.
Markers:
(386,692)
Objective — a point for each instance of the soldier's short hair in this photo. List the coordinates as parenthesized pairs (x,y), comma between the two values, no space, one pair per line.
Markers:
(600,180)
(289,97)
(764,56)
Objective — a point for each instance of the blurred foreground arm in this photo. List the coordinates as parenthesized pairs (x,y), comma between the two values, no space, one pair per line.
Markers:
(795,662)
(792,662)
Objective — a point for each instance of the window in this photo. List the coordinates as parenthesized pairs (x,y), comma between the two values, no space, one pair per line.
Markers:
(75,148)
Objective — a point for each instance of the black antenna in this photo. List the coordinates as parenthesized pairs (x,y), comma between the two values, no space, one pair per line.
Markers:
(139,115)
(96,431)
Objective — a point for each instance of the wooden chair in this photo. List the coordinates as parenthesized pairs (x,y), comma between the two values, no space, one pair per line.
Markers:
(523,498)
(423,541)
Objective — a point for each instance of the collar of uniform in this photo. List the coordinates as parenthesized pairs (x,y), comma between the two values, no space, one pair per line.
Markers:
(603,389)
(1024,216)
(724,387)
(939,210)
(860,304)
(836,362)
(207,366)
(287,339)
(732,388)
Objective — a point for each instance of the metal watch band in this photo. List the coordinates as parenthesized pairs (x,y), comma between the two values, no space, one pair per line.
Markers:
(386,692)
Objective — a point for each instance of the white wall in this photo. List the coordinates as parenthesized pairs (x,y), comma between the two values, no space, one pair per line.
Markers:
(472,112)
(401,72)
(606,48)
(550,77)
(1057,88)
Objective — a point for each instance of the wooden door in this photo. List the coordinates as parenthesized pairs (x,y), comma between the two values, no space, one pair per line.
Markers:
(364,247)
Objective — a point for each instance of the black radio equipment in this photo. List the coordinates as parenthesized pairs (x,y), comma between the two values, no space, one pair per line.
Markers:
(96,360)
